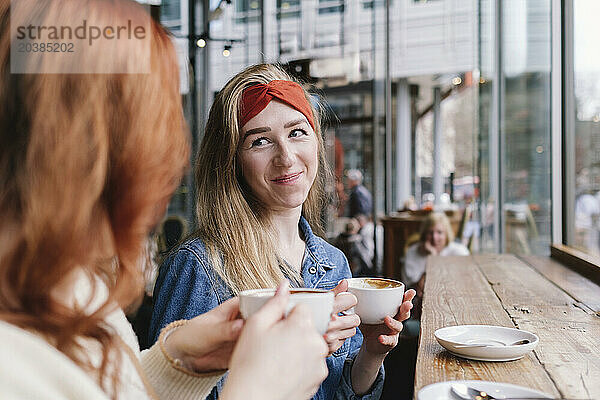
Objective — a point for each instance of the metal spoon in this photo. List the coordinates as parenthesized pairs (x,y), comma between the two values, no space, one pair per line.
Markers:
(517,343)
(465,392)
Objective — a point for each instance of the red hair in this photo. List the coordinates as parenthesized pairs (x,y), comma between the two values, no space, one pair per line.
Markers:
(87,165)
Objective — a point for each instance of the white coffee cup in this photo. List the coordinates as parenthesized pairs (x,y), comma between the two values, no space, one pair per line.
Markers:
(319,301)
(377,297)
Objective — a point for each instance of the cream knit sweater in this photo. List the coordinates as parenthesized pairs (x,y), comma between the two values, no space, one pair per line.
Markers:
(30,368)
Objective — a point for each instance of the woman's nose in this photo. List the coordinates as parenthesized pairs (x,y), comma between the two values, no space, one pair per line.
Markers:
(284,156)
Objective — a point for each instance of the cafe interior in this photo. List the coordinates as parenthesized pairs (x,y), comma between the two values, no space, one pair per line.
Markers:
(486,111)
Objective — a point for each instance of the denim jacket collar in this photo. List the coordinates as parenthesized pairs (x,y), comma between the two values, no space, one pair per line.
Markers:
(314,247)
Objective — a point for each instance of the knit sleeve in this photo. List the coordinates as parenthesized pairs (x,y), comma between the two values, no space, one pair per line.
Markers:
(170,383)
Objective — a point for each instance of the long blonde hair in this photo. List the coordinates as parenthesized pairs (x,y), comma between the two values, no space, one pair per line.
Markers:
(233,224)
(87,165)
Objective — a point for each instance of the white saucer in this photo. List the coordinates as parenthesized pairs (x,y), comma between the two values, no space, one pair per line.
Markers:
(497,337)
(441,390)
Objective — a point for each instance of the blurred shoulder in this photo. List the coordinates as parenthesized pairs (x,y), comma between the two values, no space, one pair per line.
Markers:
(456,249)
(190,258)
(194,245)
(413,250)
(190,250)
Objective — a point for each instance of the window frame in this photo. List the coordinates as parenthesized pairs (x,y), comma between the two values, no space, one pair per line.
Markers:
(563,145)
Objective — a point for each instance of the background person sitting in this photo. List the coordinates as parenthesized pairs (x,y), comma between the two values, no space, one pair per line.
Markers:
(435,238)
(173,230)
(345,242)
(358,245)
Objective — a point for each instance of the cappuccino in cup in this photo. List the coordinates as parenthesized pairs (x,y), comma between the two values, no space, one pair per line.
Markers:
(377,297)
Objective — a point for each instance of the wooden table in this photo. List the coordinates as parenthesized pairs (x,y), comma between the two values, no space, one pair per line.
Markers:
(533,293)
(397,229)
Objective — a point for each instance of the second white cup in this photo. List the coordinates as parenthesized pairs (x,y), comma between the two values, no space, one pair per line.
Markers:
(377,297)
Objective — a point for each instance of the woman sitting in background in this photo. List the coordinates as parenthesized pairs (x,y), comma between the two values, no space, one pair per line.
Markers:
(436,238)
(88,163)
(357,243)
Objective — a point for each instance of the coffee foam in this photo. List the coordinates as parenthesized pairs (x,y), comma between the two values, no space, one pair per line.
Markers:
(371,283)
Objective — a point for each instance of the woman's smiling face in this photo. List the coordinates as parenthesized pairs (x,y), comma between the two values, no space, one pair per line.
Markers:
(436,236)
(278,156)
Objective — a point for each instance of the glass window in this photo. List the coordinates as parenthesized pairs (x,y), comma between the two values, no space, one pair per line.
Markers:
(247,11)
(367,4)
(241,5)
(585,126)
(514,122)
(288,9)
(525,126)
(171,14)
(330,7)
(284,4)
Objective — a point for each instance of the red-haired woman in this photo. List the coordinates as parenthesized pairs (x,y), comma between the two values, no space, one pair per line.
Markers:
(87,165)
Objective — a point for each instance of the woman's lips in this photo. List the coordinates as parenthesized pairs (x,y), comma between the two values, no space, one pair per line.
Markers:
(287,179)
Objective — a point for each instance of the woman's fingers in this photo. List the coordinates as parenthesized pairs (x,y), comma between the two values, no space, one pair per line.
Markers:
(388,340)
(273,310)
(404,310)
(343,334)
(394,325)
(341,287)
(344,301)
(340,322)
(340,328)
(283,289)
(229,309)
(410,294)
(228,331)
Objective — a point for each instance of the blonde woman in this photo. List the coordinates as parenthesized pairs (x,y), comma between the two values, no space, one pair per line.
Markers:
(85,173)
(260,178)
(436,237)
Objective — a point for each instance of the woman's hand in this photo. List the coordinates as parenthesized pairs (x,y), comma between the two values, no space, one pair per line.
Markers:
(277,357)
(341,327)
(205,343)
(430,249)
(380,339)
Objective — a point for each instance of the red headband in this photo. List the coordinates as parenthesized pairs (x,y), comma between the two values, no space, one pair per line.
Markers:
(257,97)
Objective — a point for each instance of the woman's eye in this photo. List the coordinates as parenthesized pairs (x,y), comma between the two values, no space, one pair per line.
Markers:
(298,133)
(259,142)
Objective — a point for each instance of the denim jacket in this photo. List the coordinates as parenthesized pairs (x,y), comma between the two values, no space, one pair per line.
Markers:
(188,286)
